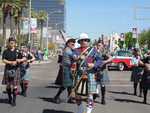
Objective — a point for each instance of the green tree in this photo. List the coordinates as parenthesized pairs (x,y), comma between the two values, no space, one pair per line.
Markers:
(13,9)
(18,17)
(144,38)
(129,40)
(41,17)
(8,9)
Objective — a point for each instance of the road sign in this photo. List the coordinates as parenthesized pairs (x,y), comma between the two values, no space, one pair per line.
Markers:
(134,33)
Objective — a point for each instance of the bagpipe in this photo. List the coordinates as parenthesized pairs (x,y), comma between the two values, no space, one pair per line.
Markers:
(81,83)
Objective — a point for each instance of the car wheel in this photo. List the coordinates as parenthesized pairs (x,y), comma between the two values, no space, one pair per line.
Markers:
(121,66)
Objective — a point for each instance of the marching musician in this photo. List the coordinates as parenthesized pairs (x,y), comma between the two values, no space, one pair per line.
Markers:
(67,61)
(87,65)
(102,74)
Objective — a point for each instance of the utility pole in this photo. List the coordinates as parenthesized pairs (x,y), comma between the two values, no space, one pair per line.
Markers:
(29,29)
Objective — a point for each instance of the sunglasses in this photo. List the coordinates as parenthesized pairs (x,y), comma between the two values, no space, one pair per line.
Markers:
(11,43)
(85,40)
(72,44)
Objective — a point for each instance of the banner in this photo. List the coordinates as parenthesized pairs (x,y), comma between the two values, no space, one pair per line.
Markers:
(33,25)
(25,26)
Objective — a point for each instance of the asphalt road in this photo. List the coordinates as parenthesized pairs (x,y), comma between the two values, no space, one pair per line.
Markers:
(119,97)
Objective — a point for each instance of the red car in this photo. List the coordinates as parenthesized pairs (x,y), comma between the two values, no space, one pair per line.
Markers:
(122,59)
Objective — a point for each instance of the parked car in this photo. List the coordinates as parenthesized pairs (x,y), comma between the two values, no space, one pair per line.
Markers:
(122,60)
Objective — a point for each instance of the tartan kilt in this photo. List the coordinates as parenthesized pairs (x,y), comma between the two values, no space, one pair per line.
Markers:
(92,83)
(67,77)
(11,81)
(26,76)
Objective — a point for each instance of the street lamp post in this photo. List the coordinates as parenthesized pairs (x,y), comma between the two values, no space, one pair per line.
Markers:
(47,31)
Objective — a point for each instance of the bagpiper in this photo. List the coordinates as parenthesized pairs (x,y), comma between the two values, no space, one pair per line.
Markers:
(11,73)
(67,81)
(146,77)
(88,63)
(136,75)
(102,73)
(24,67)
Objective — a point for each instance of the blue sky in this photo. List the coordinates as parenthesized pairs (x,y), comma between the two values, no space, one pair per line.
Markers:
(97,17)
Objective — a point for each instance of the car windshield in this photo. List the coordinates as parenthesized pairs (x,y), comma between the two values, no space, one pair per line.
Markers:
(123,53)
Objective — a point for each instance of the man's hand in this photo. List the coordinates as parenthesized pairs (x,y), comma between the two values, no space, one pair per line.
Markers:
(13,62)
(82,57)
(90,65)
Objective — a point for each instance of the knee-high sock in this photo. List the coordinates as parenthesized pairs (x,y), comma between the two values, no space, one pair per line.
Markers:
(103,90)
(25,86)
(90,104)
(59,92)
(22,86)
(140,88)
(9,94)
(135,88)
(14,94)
(145,94)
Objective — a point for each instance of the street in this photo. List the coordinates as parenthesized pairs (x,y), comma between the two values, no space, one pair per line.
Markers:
(119,97)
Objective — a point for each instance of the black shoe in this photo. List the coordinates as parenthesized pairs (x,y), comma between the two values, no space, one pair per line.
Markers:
(57,100)
(144,102)
(71,101)
(25,94)
(140,95)
(13,104)
(103,102)
(95,96)
(135,94)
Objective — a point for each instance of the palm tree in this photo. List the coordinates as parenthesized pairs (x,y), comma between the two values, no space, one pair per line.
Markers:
(12,8)
(41,17)
(18,16)
(8,9)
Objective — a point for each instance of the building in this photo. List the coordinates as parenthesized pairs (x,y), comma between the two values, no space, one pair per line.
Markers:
(56,12)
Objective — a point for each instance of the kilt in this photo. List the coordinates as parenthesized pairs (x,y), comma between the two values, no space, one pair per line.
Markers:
(146,80)
(67,77)
(26,76)
(102,77)
(92,84)
(136,75)
(11,81)
(59,78)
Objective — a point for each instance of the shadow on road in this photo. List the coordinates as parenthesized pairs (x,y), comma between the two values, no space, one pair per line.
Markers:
(128,100)
(54,111)
(47,99)
(52,86)
(117,92)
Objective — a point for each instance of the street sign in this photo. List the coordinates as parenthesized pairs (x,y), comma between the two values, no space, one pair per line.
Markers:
(134,33)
